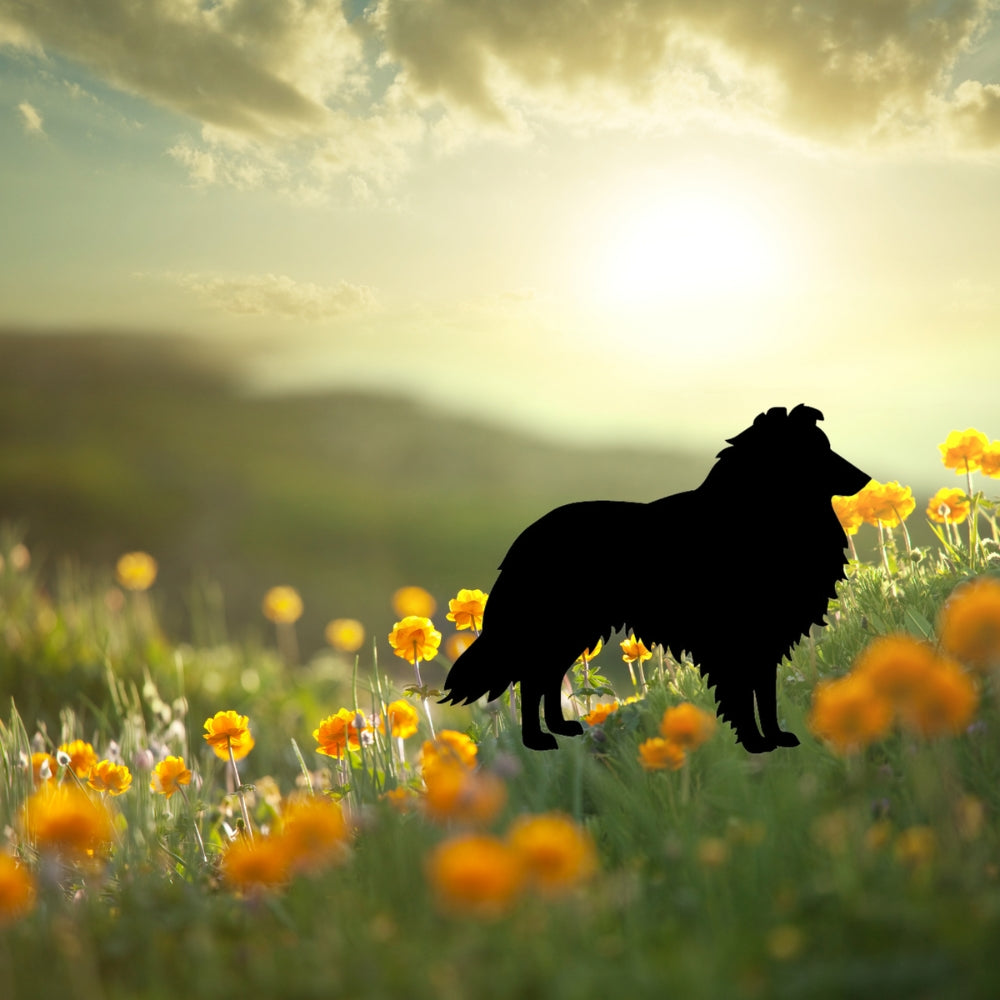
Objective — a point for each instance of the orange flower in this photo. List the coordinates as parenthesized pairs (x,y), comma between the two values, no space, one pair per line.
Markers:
(466,610)
(454,792)
(81,757)
(227,730)
(314,833)
(43,767)
(963,450)
(106,776)
(599,713)
(337,733)
(261,864)
(65,819)
(989,461)
(136,571)
(282,605)
(403,719)
(455,645)
(948,506)
(345,634)
(557,854)
(401,798)
(658,754)
(633,649)
(687,726)
(476,874)
(945,704)
(415,638)
(409,601)
(449,745)
(846,509)
(969,623)
(897,667)
(849,714)
(590,654)
(169,775)
(17,890)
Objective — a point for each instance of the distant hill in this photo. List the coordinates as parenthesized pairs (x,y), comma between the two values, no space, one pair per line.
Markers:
(116,442)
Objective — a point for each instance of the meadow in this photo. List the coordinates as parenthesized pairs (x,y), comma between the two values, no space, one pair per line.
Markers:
(207,818)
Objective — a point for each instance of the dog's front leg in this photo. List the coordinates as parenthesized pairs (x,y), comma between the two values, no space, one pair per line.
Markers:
(531,726)
(765,692)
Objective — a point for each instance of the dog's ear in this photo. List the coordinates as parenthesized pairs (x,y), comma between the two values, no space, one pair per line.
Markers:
(803,413)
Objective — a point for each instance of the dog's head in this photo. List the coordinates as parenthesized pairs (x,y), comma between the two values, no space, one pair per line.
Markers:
(791,443)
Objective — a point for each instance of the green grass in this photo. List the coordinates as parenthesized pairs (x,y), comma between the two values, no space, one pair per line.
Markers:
(773,876)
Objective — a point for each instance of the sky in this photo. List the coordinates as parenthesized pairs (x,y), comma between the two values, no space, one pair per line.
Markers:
(604,221)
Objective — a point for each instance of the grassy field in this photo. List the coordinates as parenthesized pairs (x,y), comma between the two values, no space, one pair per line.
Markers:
(651,856)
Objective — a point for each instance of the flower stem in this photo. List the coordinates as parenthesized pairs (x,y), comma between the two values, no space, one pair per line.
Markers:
(194,823)
(239,790)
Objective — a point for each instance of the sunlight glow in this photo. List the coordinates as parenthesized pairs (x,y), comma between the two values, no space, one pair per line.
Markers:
(686,248)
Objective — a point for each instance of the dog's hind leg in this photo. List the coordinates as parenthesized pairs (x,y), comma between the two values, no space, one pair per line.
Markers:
(767,709)
(532,691)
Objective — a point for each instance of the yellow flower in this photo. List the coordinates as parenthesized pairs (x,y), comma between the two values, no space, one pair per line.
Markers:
(106,776)
(136,571)
(345,634)
(17,890)
(314,833)
(557,853)
(885,503)
(846,509)
(337,733)
(455,645)
(849,714)
(227,730)
(82,757)
(403,718)
(449,745)
(476,874)
(282,605)
(687,726)
(415,638)
(945,704)
(989,461)
(712,852)
(969,623)
(599,713)
(455,792)
(897,667)
(466,610)
(590,654)
(658,754)
(633,649)
(261,864)
(409,601)
(43,767)
(963,450)
(169,775)
(948,506)
(401,798)
(66,819)
(915,846)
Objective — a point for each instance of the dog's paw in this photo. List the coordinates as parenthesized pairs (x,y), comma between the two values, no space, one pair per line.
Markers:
(783,739)
(540,741)
(755,743)
(568,727)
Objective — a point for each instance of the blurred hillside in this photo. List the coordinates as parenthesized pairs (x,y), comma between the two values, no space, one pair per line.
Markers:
(110,443)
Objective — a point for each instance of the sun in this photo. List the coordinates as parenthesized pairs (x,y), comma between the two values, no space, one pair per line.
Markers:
(685,248)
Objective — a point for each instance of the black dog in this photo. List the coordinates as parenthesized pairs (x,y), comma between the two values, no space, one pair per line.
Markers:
(733,572)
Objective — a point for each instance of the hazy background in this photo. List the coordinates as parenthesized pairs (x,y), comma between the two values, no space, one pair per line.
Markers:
(340,295)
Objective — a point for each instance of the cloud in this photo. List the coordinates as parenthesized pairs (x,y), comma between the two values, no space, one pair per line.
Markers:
(848,71)
(30,118)
(278,295)
(258,69)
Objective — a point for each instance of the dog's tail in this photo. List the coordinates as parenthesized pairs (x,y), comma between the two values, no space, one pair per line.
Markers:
(484,668)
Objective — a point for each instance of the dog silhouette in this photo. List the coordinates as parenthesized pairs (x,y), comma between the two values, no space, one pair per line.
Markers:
(733,572)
